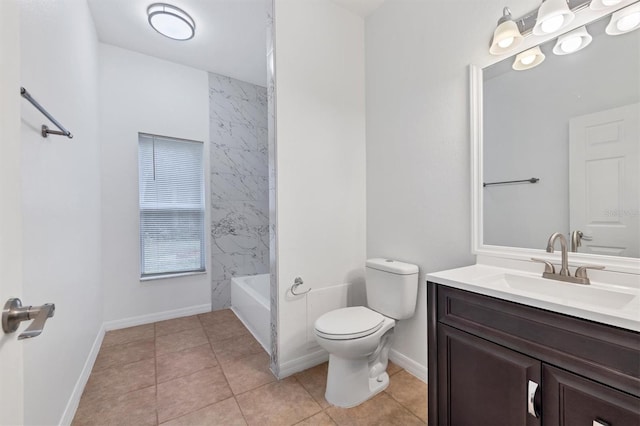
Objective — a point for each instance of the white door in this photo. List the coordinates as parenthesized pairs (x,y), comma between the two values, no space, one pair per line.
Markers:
(11,359)
(604,180)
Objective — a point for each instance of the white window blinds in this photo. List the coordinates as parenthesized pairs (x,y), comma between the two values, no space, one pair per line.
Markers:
(171,180)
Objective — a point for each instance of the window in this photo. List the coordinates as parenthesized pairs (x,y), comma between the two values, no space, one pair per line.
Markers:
(171,206)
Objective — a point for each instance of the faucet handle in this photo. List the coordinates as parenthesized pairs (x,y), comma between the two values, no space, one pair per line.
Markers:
(581,272)
(548,266)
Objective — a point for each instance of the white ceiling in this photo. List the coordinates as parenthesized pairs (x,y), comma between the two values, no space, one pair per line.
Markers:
(230,39)
(230,35)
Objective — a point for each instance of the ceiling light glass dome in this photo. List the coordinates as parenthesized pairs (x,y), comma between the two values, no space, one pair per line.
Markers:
(171,21)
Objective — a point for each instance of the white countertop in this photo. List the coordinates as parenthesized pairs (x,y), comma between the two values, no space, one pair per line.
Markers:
(606,303)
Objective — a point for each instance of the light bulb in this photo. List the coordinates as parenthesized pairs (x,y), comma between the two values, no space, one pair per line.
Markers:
(506,42)
(571,44)
(527,60)
(552,24)
(628,22)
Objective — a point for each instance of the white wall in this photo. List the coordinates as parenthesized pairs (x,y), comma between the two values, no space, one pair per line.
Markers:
(139,93)
(60,200)
(319,159)
(418,157)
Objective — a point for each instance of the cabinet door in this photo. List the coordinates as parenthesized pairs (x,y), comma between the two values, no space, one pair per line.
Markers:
(568,399)
(481,383)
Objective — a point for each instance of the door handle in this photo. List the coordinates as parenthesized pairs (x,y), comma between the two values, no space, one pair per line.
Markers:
(14,313)
(532,389)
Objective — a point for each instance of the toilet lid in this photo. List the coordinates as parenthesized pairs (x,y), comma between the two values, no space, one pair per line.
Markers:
(349,323)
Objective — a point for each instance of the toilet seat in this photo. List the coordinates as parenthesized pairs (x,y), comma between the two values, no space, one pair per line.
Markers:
(348,323)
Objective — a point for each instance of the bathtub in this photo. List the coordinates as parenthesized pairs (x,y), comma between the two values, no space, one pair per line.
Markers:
(251,303)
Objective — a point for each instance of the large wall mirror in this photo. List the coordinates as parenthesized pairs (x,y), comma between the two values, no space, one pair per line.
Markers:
(569,130)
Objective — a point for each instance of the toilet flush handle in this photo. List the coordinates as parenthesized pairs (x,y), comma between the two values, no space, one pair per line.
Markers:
(297,283)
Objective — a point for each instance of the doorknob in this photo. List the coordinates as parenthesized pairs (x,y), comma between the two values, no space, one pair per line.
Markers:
(14,313)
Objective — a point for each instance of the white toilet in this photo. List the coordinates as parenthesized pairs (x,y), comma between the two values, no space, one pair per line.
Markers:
(358,338)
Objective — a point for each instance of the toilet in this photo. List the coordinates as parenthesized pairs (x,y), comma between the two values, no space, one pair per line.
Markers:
(358,338)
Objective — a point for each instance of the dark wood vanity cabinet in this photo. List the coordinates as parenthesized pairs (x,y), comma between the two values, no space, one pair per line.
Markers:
(494,362)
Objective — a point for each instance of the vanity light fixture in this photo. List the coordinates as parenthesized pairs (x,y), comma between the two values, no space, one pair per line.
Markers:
(553,15)
(171,21)
(602,4)
(528,59)
(506,36)
(572,41)
(624,20)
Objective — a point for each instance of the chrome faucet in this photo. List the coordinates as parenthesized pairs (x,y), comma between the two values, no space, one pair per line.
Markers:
(564,269)
(564,275)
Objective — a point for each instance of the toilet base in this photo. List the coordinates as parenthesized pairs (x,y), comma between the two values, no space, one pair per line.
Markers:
(349,384)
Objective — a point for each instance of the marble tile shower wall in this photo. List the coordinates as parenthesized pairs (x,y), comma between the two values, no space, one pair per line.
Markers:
(239,183)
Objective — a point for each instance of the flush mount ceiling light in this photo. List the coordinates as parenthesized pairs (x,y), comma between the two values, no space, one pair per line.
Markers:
(572,41)
(171,21)
(506,36)
(528,59)
(602,4)
(625,20)
(553,15)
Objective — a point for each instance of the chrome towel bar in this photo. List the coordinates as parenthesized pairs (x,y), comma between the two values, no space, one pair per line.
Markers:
(532,180)
(45,130)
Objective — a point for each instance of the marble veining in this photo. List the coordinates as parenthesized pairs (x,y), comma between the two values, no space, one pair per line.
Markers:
(271,153)
(239,183)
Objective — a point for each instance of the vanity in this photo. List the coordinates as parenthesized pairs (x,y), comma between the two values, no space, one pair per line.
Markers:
(524,337)
(500,353)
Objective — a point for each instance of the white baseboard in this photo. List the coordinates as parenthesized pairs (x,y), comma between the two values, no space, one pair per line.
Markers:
(299,364)
(416,369)
(158,316)
(74,400)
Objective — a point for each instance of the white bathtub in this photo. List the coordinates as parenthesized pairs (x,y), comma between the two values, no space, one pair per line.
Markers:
(251,303)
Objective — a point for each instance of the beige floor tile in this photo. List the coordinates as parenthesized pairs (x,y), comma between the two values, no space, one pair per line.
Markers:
(381,410)
(183,363)
(176,325)
(114,381)
(236,347)
(179,341)
(247,373)
(393,369)
(410,392)
(279,403)
(224,413)
(225,330)
(133,408)
(217,317)
(114,355)
(128,335)
(186,394)
(320,419)
(314,381)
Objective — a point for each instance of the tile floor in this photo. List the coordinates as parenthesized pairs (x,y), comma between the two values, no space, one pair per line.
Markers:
(209,370)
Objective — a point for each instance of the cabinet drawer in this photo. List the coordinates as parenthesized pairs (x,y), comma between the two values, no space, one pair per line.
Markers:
(603,353)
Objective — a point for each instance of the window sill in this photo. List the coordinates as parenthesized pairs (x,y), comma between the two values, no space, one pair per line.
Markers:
(176,275)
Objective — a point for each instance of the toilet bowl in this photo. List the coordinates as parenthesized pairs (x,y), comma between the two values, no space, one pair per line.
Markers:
(358,338)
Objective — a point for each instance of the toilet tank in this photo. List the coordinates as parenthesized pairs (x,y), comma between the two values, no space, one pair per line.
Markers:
(392,287)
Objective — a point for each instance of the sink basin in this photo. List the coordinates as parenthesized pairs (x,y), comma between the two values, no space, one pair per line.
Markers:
(558,291)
